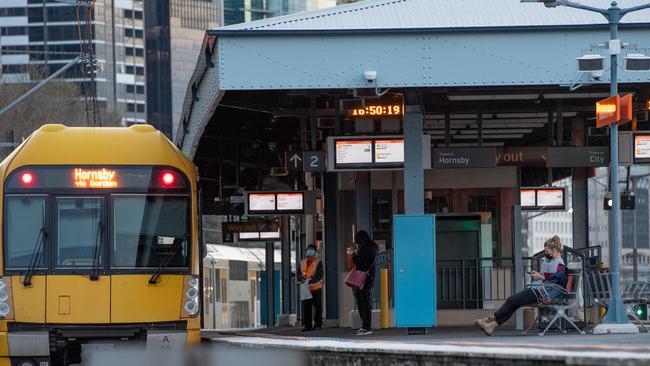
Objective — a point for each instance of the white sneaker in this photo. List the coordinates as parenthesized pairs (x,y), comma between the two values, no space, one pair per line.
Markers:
(364,332)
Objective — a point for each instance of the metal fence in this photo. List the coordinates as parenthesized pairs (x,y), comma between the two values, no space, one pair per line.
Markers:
(474,283)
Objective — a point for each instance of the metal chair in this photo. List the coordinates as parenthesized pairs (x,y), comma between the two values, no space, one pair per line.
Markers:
(559,307)
(632,293)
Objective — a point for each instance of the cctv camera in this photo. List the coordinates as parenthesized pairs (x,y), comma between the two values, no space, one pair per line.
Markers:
(370,76)
(596,75)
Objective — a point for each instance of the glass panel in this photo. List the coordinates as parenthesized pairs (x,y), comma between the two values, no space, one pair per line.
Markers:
(79,231)
(25,219)
(148,229)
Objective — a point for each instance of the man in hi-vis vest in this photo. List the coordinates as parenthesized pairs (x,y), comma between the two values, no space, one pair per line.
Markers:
(311,270)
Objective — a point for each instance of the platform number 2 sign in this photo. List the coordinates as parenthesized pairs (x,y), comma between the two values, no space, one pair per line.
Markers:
(314,161)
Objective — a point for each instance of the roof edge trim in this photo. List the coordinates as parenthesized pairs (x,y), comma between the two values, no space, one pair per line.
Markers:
(311,32)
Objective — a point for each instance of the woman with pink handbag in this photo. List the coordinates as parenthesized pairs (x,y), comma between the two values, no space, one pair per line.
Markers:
(362,278)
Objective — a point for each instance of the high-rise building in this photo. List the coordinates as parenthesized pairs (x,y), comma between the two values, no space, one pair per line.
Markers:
(240,11)
(141,82)
(174,34)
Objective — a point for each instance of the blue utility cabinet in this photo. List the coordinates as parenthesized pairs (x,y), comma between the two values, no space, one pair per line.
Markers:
(414,272)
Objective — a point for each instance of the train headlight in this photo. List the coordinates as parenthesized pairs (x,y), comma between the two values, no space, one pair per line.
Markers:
(2,284)
(4,295)
(194,282)
(192,293)
(191,307)
(5,309)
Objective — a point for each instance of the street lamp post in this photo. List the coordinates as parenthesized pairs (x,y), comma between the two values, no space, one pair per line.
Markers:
(616,320)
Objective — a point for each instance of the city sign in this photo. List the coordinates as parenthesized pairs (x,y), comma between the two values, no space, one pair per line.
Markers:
(449,158)
(578,157)
(275,203)
(608,111)
(543,199)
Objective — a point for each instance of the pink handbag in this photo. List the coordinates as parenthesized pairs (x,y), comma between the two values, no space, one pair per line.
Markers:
(357,279)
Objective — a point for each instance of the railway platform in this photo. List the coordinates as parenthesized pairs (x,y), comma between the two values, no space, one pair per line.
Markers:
(458,346)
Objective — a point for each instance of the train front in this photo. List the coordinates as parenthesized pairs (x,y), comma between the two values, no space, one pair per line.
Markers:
(97,256)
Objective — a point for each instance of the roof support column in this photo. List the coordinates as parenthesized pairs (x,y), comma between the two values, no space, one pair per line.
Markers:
(580,192)
(413,173)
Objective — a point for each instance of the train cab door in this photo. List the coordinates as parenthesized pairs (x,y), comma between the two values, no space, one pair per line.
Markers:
(78,287)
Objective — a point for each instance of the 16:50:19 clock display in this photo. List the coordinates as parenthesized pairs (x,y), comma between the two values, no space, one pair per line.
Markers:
(377,111)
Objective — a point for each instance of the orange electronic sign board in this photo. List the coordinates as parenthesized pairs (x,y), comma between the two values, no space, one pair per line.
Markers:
(608,111)
(627,109)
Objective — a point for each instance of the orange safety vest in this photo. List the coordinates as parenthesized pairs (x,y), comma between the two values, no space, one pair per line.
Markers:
(308,272)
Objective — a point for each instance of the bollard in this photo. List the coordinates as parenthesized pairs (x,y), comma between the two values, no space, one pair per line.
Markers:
(384,298)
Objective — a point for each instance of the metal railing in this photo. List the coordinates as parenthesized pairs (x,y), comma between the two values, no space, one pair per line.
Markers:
(474,283)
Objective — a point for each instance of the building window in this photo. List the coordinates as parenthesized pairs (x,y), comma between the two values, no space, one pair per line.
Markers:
(138,14)
(139,33)
(128,32)
(130,107)
(238,270)
(140,89)
(130,88)
(12,12)
(13,31)
(139,70)
(128,13)
(140,108)
(130,70)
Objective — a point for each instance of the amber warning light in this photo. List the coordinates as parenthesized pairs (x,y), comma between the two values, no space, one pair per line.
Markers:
(95,178)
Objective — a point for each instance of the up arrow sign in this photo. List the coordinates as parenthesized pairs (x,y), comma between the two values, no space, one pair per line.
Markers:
(294,161)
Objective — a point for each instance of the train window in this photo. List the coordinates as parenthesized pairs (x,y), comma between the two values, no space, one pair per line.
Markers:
(79,231)
(143,228)
(24,230)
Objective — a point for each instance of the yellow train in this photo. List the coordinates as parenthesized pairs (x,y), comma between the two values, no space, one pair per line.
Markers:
(100,243)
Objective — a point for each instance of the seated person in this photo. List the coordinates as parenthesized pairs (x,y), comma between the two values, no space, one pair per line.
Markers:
(553,272)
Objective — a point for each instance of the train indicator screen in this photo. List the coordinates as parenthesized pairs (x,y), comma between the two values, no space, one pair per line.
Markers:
(389,151)
(353,152)
(642,147)
(550,197)
(528,197)
(290,201)
(261,202)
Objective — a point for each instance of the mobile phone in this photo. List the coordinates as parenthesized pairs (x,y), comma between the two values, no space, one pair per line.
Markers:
(529,272)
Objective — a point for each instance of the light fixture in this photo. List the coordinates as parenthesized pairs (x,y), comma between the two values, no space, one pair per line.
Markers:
(547,3)
(637,62)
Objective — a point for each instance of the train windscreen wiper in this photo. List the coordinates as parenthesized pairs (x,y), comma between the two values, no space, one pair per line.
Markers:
(97,251)
(163,264)
(36,257)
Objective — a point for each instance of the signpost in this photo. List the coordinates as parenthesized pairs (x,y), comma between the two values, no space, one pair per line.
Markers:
(578,157)
(293,161)
(449,158)
(364,153)
(314,161)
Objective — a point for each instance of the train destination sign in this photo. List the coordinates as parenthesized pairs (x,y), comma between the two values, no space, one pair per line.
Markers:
(481,157)
(275,203)
(372,153)
(543,199)
(642,148)
(95,178)
(578,157)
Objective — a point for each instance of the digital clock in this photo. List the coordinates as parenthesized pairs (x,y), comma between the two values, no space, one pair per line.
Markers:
(392,110)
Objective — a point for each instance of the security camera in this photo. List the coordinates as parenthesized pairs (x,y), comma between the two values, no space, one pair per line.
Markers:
(370,76)
(596,75)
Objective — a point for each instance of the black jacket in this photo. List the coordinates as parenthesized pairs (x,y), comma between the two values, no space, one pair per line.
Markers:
(365,260)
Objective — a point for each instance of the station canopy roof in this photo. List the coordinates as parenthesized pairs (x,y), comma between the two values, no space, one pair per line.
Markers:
(438,14)
(511,63)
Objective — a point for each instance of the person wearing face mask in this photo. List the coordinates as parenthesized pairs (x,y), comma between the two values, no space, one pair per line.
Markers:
(552,271)
(311,270)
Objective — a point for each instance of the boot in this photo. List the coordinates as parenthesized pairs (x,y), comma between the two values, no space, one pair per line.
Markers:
(488,325)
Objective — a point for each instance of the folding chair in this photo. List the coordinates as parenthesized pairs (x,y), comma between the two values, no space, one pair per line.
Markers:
(558,307)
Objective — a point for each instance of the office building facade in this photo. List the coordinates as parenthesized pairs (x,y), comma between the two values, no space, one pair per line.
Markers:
(240,11)
(44,35)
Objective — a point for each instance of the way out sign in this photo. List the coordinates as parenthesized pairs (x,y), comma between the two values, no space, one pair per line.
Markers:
(615,109)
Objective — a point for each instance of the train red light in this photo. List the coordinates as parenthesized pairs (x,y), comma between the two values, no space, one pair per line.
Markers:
(168,179)
(27,178)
